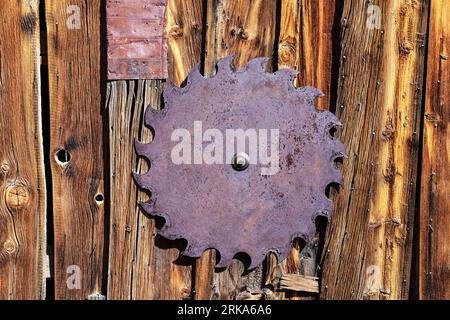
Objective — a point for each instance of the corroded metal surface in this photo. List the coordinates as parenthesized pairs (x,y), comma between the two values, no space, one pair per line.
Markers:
(137,44)
(216,206)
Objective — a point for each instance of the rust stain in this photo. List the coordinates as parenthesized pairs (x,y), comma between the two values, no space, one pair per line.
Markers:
(137,42)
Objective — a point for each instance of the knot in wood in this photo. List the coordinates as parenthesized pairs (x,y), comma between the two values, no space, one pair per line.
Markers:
(5,167)
(243,34)
(9,246)
(185,293)
(286,53)
(406,47)
(176,32)
(17,197)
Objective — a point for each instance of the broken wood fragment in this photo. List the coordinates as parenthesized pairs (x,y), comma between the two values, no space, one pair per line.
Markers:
(299,283)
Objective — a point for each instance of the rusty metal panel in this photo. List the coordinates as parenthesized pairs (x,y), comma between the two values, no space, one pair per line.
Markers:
(137,43)
(229,205)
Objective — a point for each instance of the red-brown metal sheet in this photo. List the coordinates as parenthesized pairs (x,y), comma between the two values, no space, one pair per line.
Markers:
(137,43)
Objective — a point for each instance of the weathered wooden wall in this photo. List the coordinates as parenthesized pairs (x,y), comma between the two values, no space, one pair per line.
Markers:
(22,182)
(76,146)
(389,86)
(380,93)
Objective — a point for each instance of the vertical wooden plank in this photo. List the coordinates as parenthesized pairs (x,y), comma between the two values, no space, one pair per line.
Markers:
(125,107)
(435,200)
(158,264)
(184,30)
(246,30)
(368,249)
(306,43)
(22,181)
(76,145)
(141,264)
(289,42)
(318,25)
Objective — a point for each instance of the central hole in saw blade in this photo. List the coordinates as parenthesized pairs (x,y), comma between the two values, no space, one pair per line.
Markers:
(240,162)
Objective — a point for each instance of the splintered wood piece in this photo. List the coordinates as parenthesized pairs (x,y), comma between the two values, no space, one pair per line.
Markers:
(299,283)
(137,43)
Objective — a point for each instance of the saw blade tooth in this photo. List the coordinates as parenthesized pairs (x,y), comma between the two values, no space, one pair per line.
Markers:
(225,261)
(310,230)
(143,180)
(340,179)
(336,177)
(335,157)
(148,151)
(330,119)
(310,94)
(257,65)
(256,260)
(151,114)
(325,207)
(149,207)
(283,252)
(142,149)
(287,75)
(195,75)
(226,65)
(254,255)
(193,251)
(170,87)
(339,150)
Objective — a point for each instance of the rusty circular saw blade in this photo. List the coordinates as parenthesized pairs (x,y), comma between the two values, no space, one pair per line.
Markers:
(217,207)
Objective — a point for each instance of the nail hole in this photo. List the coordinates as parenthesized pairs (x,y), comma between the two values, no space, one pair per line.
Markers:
(63,157)
(99,198)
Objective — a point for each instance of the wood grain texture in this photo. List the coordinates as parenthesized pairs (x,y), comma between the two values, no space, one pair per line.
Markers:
(318,50)
(245,30)
(143,265)
(76,146)
(395,115)
(22,181)
(184,31)
(306,43)
(242,29)
(434,271)
(299,283)
(140,263)
(368,249)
